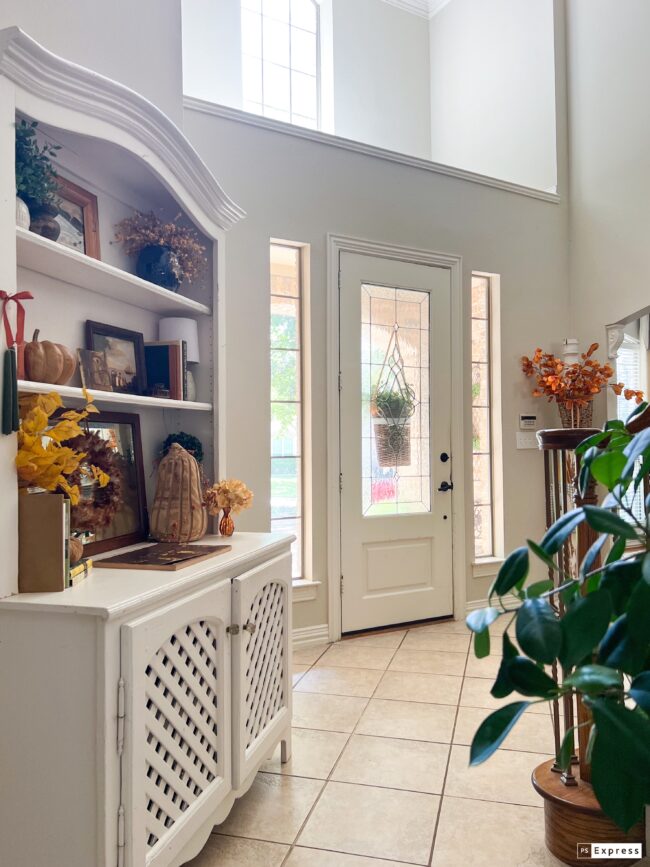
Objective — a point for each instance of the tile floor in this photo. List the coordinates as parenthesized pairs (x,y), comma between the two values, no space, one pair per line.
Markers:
(379,773)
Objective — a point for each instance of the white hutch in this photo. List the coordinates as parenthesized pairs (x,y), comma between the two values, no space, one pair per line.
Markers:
(137,706)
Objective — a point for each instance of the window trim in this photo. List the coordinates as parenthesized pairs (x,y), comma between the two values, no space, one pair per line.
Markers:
(488,566)
(304,402)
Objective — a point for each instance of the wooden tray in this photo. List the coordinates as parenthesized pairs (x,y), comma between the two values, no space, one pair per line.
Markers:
(162,556)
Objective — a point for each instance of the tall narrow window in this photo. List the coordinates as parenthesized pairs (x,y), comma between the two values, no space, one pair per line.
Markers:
(629,369)
(286,397)
(482,419)
(280,59)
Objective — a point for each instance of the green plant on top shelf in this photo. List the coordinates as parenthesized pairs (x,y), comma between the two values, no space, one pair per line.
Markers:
(36,178)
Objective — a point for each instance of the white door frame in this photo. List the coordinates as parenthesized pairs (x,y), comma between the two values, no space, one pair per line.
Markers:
(336,245)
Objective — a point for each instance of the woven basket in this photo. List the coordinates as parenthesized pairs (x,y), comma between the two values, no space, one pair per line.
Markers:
(577,416)
(393,442)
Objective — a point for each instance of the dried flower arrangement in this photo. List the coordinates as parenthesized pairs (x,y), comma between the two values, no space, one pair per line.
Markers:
(42,460)
(231,494)
(573,385)
(146,230)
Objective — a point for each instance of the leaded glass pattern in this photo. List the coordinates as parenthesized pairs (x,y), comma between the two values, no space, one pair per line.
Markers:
(286,397)
(481,418)
(395,335)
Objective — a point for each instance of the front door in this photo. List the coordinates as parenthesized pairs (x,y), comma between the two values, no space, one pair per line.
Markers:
(395,411)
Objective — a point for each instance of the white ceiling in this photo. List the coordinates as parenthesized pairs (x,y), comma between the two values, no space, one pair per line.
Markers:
(423,8)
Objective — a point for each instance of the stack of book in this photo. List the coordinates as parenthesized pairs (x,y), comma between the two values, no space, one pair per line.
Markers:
(79,571)
(166,363)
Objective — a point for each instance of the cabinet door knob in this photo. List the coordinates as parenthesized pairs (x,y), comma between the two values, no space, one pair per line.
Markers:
(249,627)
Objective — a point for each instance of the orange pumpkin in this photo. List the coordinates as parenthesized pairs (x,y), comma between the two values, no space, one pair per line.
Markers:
(50,362)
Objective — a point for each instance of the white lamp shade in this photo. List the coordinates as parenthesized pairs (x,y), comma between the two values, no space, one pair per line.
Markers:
(178,328)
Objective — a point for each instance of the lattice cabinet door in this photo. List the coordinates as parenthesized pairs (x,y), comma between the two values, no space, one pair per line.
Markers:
(176,764)
(261,663)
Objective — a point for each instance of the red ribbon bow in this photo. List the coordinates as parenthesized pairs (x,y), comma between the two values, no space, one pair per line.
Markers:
(17,298)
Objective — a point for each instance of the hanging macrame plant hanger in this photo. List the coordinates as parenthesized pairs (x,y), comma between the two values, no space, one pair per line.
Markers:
(393,404)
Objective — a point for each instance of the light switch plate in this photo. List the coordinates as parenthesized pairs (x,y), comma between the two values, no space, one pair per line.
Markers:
(527,440)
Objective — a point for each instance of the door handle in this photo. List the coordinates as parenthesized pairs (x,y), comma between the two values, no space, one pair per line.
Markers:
(446,486)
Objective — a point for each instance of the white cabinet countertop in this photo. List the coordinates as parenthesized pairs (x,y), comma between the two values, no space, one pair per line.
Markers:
(109,593)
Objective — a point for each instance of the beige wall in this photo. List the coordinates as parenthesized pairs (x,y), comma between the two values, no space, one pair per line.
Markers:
(135,42)
(299,190)
(609,95)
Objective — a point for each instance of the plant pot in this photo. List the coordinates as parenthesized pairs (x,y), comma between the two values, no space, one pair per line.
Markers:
(572,816)
(577,416)
(158,264)
(23,218)
(393,442)
(44,223)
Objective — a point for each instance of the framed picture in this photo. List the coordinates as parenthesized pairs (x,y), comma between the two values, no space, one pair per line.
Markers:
(123,351)
(77,216)
(130,524)
(94,370)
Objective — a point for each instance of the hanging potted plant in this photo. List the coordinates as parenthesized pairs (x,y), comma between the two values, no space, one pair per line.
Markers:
(594,627)
(392,409)
(573,386)
(168,253)
(36,183)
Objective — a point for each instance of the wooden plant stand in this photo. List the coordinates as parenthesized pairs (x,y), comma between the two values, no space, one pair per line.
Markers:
(572,815)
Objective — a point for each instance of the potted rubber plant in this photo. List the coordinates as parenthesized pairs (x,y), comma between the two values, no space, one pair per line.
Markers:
(36,182)
(392,409)
(584,638)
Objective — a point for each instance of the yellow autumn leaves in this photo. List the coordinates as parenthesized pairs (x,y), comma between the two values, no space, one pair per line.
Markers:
(42,460)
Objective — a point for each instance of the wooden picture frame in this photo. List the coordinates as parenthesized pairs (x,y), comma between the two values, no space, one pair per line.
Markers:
(77,215)
(124,353)
(133,516)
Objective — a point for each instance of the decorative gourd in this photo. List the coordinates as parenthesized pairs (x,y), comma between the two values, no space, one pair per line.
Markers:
(48,362)
(76,549)
(178,514)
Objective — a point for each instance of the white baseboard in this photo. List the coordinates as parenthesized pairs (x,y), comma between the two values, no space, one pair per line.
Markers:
(483,603)
(311,635)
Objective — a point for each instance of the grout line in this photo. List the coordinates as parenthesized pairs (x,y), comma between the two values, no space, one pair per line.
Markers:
(444,779)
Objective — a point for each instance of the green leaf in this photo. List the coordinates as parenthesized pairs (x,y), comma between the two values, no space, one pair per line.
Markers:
(619,580)
(640,690)
(503,685)
(619,650)
(566,750)
(494,730)
(590,442)
(532,591)
(616,551)
(638,410)
(583,625)
(482,643)
(607,522)
(513,570)
(543,556)
(593,679)
(621,796)
(608,468)
(637,447)
(592,555)
(538,630)
(638,613)
(480,619)
(557,535)
(528,679)
(629,731)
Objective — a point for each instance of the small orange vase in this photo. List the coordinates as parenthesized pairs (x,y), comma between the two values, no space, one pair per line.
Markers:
(226,524)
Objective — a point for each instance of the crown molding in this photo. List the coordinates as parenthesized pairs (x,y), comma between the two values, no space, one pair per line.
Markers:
(84,101)
(423,8)
(225,112)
